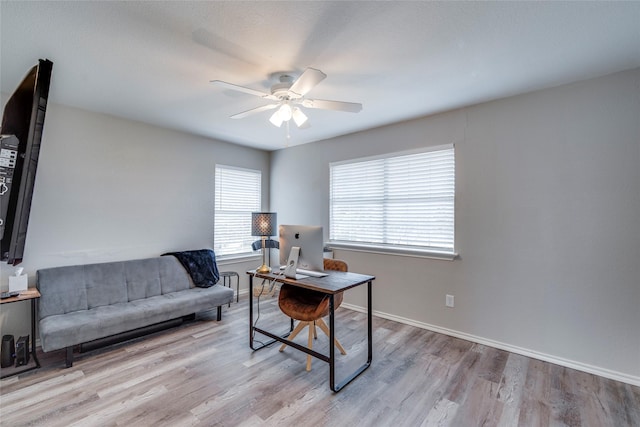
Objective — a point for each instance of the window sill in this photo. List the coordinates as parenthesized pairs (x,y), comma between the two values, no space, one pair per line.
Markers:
(237,259)
(393,250)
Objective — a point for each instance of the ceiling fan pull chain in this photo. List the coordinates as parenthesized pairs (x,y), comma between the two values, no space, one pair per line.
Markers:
(288,135)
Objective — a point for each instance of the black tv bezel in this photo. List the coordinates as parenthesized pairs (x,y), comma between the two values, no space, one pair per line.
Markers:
(29,122)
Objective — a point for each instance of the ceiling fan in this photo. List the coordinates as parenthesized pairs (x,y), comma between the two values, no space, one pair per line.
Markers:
(288,96)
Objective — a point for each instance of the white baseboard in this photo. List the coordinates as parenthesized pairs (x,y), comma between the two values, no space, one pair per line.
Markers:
(606,373)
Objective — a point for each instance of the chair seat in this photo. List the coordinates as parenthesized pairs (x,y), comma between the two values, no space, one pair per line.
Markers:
(304,304)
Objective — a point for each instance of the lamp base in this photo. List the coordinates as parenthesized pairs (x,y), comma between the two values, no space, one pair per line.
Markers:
(264,269)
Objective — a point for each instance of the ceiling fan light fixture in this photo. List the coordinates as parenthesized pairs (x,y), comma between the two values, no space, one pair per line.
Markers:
(276,119)
(285,112)
(298,116)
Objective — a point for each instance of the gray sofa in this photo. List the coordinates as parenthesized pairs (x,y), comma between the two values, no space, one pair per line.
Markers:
(83,303)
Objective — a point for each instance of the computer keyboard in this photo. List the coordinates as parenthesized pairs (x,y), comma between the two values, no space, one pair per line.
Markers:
(311,273)
(307,272)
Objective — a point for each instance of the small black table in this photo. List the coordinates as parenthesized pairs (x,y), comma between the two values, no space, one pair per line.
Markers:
(334,282)
(226,277)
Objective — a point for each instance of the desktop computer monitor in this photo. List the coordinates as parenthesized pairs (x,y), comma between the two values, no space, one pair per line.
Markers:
(309,239)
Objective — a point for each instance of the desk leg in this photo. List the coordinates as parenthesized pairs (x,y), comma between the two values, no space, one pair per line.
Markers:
(369,324)
(251,311)
(336,388)
(332,347)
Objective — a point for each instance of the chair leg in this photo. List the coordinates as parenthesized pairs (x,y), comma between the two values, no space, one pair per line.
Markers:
(312,334)
(310,345)
(315,333)
(325,329)
(299,327)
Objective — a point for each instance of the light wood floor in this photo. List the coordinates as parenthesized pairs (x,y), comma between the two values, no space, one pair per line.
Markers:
(203,373)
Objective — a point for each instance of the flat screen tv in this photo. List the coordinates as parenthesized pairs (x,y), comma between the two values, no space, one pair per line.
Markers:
(21,135)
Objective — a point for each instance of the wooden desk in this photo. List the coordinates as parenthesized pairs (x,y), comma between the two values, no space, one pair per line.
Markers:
(335,282)
(31,294)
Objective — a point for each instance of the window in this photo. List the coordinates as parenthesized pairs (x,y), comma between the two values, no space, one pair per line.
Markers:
(237,194)
(402,202)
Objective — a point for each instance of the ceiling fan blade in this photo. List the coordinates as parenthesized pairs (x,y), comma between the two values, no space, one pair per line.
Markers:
(254,111)
(307,81)
(323,104)
(243,89)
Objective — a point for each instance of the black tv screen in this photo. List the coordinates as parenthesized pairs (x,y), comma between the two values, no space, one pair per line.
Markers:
(21,136)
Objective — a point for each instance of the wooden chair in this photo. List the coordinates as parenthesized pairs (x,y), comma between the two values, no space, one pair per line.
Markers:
(309,307)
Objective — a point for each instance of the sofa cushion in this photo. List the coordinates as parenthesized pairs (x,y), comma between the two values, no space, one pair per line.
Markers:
(173,277)
(143,278)
(105,284)
(62,290)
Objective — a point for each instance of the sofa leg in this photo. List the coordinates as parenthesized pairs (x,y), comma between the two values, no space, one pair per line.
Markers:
(69,358)
(219,313)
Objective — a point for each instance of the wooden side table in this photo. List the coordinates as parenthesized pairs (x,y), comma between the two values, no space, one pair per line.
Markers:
(31,294)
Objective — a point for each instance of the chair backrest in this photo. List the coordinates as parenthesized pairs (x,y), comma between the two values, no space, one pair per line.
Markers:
(335,265)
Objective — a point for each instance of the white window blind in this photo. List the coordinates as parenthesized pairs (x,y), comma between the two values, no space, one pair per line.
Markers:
(237,194)
(403,201)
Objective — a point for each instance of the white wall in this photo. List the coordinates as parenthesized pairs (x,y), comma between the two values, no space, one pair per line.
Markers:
(547,223)
(110,189)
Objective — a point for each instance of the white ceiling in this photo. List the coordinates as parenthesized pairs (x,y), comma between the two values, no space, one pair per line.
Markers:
(152,61)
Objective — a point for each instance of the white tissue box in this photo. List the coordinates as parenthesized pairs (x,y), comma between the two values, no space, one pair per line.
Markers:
(18,283)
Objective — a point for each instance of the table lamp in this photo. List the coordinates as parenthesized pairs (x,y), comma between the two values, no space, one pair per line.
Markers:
(263,224)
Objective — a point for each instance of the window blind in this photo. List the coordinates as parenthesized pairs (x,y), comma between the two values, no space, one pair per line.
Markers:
(399,201)
(237,194)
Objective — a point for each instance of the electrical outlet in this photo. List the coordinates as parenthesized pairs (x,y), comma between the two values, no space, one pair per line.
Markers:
(449,301)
